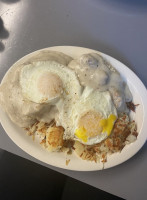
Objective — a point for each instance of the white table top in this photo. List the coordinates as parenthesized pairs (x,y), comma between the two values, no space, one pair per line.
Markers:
(117,28)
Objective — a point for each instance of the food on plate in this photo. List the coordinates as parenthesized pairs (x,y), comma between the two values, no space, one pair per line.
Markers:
(22,110)
(92,117)
(54,138)
(95,72)
(77,105)
(124,132)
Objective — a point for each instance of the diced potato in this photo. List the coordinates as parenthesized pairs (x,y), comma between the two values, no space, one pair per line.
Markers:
(54,138)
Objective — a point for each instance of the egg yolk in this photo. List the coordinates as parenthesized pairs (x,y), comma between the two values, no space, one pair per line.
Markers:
(107,124)
(50,85)
(81,134)
(88,125)
(90,122)
(94,126)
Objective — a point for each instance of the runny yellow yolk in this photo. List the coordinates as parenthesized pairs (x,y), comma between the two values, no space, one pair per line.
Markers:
(106,124)
(81,134)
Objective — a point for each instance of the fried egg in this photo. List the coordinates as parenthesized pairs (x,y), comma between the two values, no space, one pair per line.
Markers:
(48,82)
(91,119)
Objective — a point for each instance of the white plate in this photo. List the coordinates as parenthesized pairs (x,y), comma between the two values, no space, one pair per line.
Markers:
(59,159)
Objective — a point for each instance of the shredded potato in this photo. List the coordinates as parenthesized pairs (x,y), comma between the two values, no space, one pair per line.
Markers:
(123,133)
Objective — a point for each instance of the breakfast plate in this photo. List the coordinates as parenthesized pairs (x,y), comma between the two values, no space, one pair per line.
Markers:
(57,159)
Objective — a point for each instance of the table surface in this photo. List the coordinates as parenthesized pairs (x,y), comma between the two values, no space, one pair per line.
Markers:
(117,28)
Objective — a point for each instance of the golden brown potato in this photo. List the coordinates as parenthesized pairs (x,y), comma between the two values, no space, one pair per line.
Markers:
(54,138)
